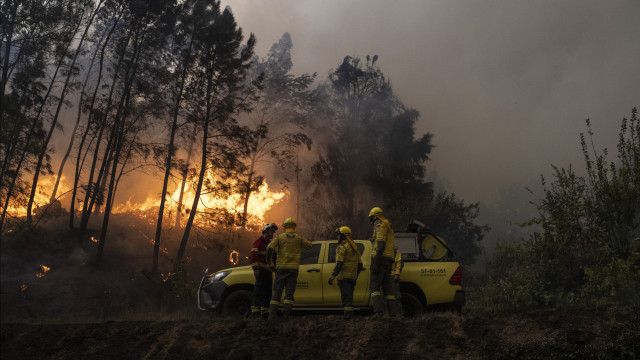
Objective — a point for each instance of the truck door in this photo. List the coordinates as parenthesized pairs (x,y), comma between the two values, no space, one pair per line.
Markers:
(331,293)
(309,286)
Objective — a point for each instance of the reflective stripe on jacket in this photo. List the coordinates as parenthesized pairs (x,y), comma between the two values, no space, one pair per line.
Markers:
(287,246)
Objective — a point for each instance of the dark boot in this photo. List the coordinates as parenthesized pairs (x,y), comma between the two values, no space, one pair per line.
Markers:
(286,311)
(348,314)
(394,307)
(273,312)
(378,304)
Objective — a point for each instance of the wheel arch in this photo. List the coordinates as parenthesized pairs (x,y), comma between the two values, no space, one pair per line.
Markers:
(414,290)
(231,289)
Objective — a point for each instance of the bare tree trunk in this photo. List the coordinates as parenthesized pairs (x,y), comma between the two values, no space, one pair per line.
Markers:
(203,170)
(75,127)
(185,171)
(247,193)
(43,151)
(170,150)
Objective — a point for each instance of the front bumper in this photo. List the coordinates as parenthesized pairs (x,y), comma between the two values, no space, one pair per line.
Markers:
(211,294)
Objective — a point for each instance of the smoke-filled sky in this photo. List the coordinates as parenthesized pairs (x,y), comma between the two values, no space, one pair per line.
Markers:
(504,86)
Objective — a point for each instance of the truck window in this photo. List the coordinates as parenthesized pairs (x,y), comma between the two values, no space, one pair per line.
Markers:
(310,256)
(332,251)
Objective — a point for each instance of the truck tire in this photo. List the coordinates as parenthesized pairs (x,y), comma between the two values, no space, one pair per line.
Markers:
(411,306)
(237,304)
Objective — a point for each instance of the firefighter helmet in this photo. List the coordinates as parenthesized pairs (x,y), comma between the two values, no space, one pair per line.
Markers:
(374,213)
(343,230)
(269,226)
(289,222)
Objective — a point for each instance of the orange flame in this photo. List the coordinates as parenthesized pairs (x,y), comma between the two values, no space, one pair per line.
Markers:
(23,287)
(233,257)
(165,278)
(259,203)
(43,271)
(42,196)
(94,240)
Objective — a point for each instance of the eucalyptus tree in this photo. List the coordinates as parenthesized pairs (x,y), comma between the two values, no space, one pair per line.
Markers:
(221,68)
(370,151)
(36,36)
(82,13)
(146,25)
(277,118)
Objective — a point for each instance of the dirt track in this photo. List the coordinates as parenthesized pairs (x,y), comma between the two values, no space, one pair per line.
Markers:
(609,333)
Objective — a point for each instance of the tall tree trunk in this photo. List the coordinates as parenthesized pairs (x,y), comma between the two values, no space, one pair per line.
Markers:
(36,175)
(247,193)
(170,150)
(203,170)
(75,127)
(185,172)
(10,24)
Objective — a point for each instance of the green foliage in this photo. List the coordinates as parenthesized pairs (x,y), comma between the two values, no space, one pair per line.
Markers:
(587,250)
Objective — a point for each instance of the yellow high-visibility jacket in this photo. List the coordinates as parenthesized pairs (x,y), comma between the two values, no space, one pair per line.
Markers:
(382,232)
(350,259)
(397,266)
(287,245)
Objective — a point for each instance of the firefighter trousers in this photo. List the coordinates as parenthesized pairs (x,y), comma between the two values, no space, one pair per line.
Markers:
(261,292)
(346,287)
(381,281)
(286,280)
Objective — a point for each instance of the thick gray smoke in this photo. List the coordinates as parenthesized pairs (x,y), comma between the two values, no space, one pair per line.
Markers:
(504,86)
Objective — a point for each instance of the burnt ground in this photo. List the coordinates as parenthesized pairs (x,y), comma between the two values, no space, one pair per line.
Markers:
(588,333)
(113,310)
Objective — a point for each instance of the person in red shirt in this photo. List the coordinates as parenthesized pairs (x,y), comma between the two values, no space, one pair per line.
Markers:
(262,272)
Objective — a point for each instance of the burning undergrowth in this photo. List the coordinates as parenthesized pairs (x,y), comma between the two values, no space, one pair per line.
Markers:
(48,276)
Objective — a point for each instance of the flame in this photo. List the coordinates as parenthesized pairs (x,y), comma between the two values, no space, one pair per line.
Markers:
(43,271)
(23,287)
(165,278)
(233,257)
(94,240)
(42,196)
(259,203)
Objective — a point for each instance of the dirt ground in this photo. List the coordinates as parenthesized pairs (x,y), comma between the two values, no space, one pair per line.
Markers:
(593,333)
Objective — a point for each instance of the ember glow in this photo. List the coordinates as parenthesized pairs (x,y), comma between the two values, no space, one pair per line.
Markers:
(43,271)
(233,257)
(259,202)
(23,287)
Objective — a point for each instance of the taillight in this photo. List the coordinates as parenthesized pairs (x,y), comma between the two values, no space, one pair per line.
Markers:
(456,279)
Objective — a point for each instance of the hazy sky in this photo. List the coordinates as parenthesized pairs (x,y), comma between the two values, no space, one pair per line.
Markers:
(504,86)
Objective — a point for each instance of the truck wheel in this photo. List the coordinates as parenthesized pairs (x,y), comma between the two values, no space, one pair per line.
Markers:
(238,303)
(411,306)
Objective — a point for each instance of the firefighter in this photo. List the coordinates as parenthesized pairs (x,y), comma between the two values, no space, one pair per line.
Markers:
(347,269)
(287,248)
(382,258)
(396,269)
(262,272)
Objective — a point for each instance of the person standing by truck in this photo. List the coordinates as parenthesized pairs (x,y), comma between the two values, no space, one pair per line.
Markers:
(262,272)
(382,258)
(347,269)
(287,247)
(396,269)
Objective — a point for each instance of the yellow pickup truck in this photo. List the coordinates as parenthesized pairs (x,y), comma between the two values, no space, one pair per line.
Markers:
(422,283)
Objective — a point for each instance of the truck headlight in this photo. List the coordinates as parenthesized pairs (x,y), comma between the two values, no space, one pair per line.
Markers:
(220,275)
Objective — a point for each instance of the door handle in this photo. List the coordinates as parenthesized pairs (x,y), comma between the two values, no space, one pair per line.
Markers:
(313,270)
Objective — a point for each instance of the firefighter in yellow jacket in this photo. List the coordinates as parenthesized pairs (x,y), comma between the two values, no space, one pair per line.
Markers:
(382,259)
(347,269)
(287,247)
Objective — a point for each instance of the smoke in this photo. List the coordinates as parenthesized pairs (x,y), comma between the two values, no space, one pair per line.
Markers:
(504,86)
